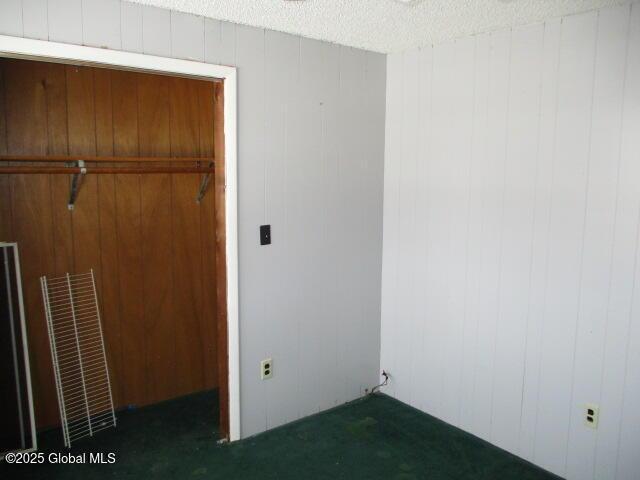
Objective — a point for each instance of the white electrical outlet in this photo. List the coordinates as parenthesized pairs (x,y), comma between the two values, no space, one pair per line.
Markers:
(591,415)
(266,368)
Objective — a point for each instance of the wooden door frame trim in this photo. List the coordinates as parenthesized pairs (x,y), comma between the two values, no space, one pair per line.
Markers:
(42,50)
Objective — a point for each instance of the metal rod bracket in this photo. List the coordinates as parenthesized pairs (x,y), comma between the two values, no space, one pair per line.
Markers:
(204,183)
(75,182)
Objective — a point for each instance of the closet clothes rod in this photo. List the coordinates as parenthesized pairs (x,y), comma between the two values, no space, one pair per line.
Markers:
(79,169)
(102,170)
(92,158)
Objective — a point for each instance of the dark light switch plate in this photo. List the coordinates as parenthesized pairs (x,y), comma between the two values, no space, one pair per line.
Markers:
(265,234)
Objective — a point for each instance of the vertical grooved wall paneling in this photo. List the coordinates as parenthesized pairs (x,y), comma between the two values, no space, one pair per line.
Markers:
(510,264)
(157,237)
(128,215)
(185,226)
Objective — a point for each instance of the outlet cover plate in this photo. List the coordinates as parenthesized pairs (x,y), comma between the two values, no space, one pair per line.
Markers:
(266,369)
(591,415)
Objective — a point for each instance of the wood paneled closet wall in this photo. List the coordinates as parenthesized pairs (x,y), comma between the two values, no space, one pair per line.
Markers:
(152,247)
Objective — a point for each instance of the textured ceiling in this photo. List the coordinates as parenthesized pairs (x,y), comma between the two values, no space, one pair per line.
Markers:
(382,25)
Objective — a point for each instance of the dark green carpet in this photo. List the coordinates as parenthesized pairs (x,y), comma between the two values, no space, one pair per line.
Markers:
(374,438)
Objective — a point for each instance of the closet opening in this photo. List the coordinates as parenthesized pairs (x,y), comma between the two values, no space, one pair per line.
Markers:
(122,172)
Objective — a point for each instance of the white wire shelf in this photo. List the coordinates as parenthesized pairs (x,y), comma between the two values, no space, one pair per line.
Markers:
(79,361)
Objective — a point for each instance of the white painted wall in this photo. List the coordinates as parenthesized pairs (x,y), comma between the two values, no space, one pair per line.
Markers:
(310,159)
(511,215)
